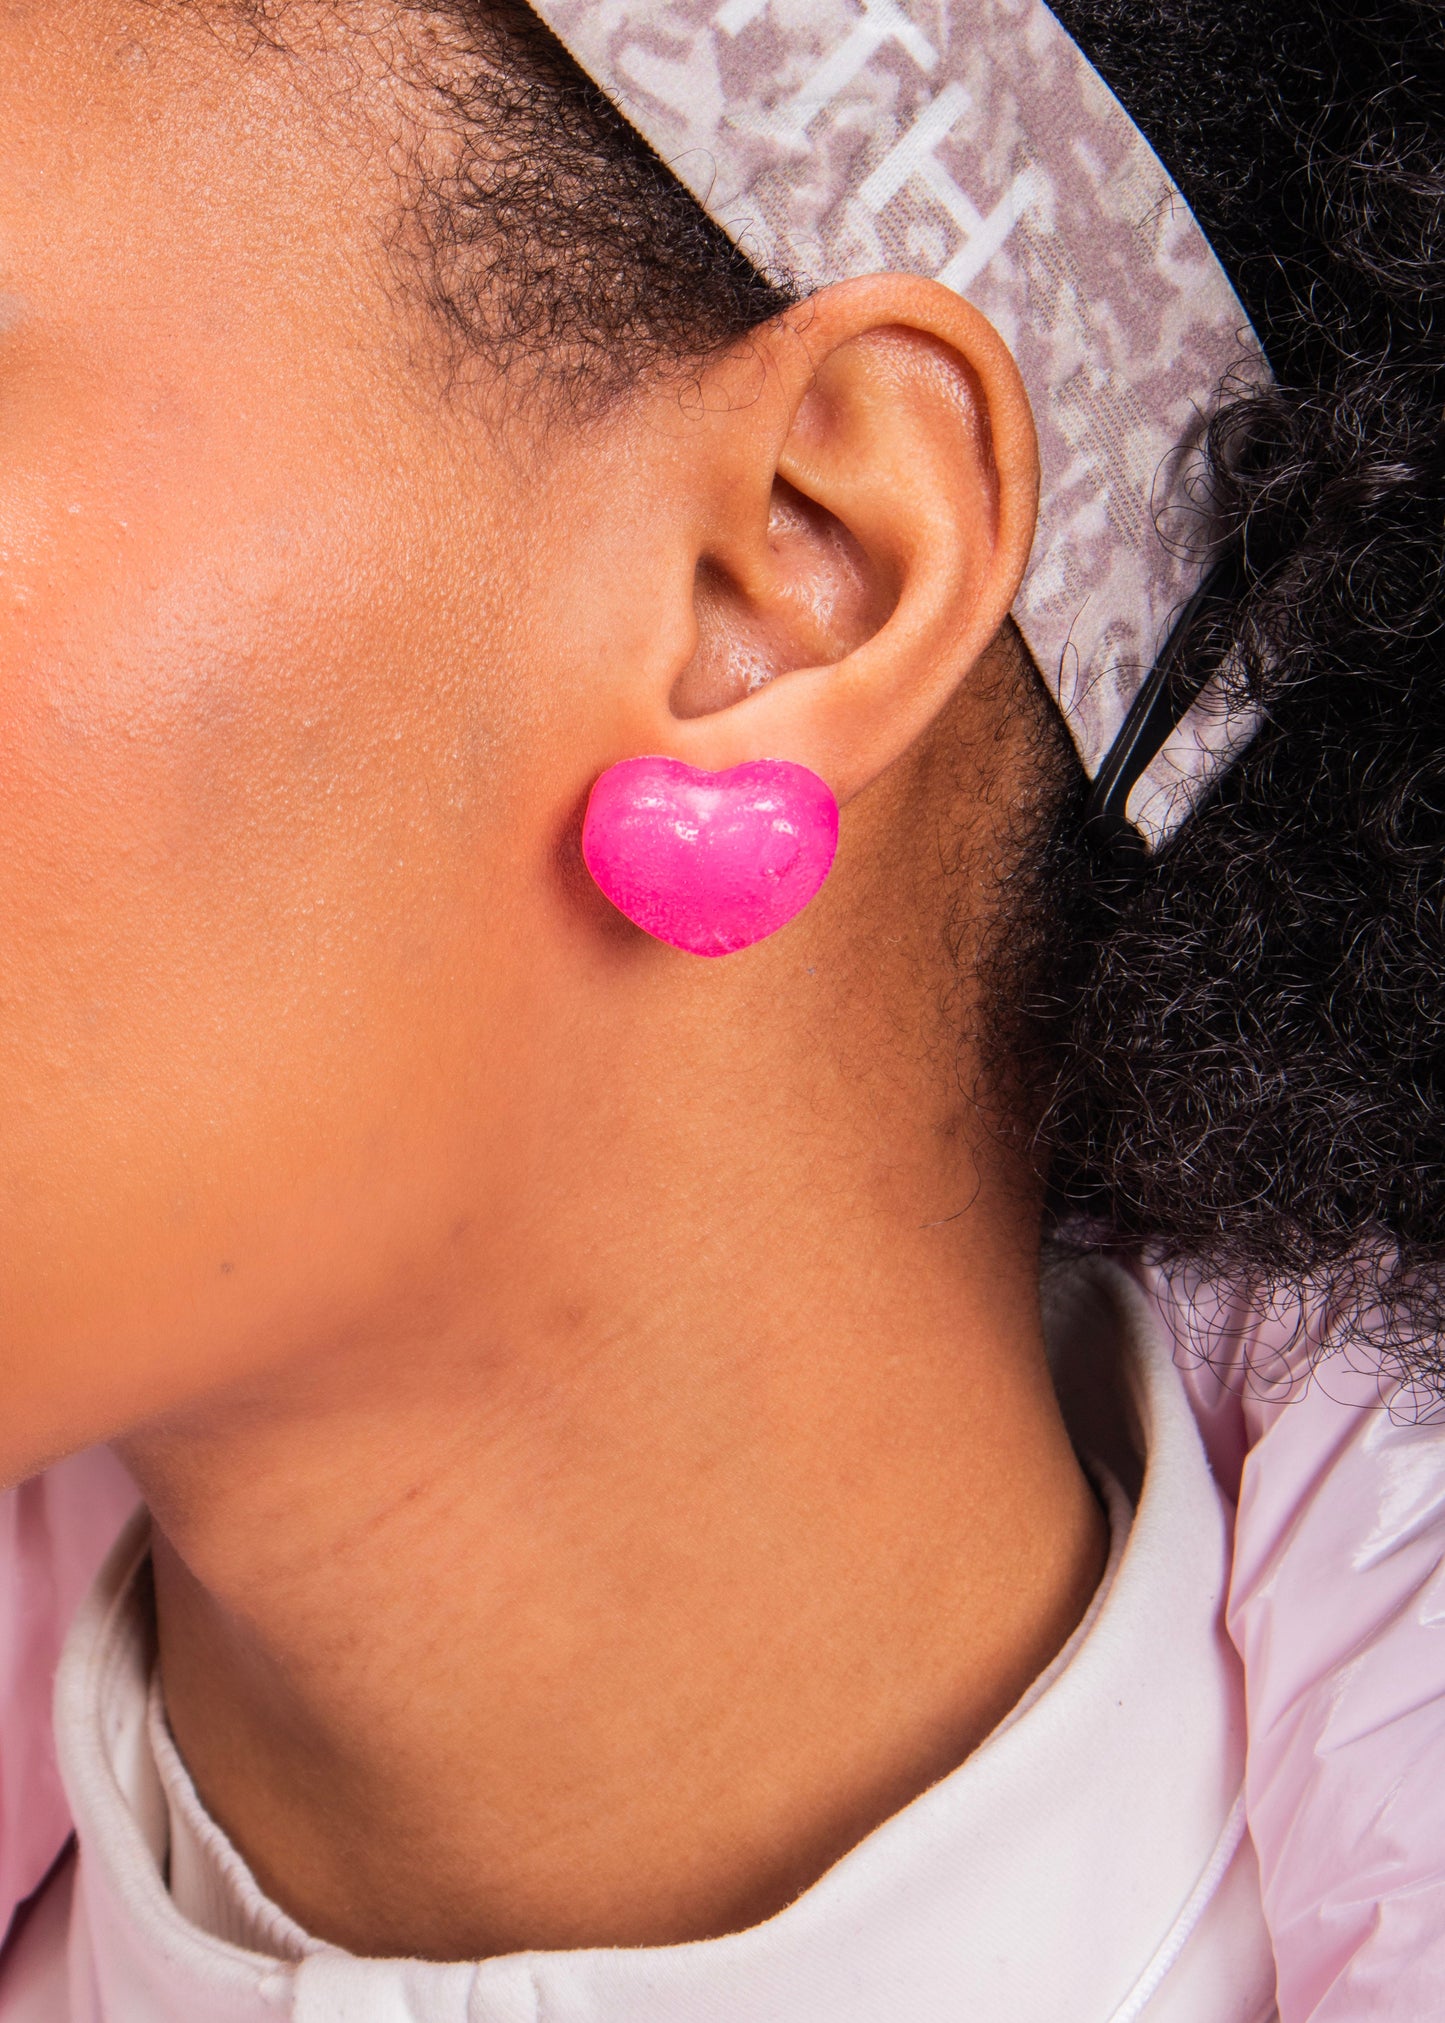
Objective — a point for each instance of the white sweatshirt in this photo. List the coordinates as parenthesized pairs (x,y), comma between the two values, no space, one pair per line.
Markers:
(1088,1864)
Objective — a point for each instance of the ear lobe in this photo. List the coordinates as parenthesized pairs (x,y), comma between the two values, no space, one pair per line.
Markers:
(902,489)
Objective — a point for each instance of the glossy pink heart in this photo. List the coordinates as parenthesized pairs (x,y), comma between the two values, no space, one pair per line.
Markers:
(710,862)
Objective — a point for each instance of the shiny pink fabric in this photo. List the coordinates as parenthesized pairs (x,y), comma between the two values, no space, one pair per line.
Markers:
(54,1531)
(1337,1605)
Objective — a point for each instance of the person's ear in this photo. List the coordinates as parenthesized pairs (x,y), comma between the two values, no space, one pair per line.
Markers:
(867,486)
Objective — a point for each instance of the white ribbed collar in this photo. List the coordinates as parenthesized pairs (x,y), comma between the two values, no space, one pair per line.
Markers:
(1081,1863)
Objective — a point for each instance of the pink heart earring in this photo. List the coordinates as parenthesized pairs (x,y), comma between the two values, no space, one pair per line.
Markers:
(709,862)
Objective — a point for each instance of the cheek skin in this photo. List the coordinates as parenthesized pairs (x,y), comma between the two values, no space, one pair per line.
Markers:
(222,900)
(247,763)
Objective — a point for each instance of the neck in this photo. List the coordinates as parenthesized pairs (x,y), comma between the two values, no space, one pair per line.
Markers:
(611,1598)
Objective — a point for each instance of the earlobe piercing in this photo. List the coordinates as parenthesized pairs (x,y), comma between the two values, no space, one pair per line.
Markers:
(710,862)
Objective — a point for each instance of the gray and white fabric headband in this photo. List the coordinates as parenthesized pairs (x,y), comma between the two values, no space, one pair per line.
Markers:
(972,141)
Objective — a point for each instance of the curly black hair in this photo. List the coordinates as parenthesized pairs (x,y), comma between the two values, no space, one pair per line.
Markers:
(1238,1049)
(1252,1071)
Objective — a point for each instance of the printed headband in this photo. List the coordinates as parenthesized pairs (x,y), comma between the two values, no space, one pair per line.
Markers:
(972,141)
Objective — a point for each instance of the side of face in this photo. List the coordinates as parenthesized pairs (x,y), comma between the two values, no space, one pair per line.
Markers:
(310,1025)
(279,653)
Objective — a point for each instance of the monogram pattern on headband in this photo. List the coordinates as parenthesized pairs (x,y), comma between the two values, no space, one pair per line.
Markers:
(970,140)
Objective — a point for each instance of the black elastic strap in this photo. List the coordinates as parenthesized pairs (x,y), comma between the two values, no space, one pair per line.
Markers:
(1158,709)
